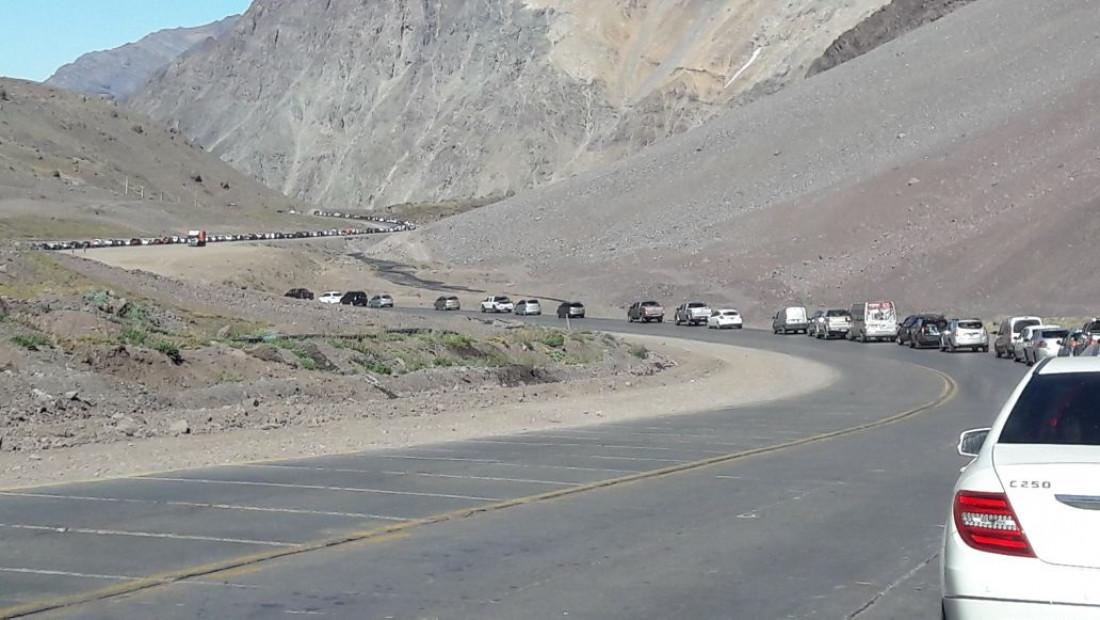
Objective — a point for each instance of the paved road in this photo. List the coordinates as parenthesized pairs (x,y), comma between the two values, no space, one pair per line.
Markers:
(617,521)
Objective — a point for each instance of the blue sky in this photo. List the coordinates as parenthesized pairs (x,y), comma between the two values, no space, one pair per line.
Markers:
(38,36)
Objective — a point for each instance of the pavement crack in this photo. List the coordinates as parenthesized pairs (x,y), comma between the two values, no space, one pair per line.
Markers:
(893,585)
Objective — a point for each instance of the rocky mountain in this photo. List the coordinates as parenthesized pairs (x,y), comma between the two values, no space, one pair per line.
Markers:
(374,103)
(953,169)
(120,72)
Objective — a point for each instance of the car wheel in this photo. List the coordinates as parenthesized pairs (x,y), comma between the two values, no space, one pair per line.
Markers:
(899,340)
(985,349)
(661,319)
(951,346)
(912,343)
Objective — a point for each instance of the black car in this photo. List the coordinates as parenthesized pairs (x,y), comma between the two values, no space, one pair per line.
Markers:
(354,298)
(925,331)
(571,310)
(300,293)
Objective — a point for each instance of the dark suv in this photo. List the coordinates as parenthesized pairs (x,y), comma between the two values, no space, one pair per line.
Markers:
(925,331)
(354,298)
(300,293)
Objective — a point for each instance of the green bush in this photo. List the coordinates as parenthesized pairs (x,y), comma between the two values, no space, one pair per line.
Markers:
(380,368)
(31,342)
(307,362)
(134,335)
(171,350)
(137,313)
(554,339)
(639,352)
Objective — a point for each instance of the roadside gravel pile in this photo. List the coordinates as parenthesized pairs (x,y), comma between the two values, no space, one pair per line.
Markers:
(150,356)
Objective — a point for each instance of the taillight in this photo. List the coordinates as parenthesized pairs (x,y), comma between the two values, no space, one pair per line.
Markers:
(986,522)
(1042,344)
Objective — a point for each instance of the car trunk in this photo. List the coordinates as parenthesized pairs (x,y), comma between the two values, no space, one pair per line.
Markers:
(1055,492)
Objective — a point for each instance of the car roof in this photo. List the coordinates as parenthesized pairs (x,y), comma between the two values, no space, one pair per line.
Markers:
(1062,365)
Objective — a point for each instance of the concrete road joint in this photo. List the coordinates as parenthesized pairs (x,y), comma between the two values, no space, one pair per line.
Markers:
(386,533)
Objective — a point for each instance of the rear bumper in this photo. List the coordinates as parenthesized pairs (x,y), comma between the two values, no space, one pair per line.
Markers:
(993,609)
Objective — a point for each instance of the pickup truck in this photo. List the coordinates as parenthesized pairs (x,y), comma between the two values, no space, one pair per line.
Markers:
(692,313)
(496,304)
(645,311)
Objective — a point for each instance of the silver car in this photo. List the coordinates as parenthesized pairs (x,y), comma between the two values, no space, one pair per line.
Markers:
(380,301)
(528,307)
(964,334)
(1041,342)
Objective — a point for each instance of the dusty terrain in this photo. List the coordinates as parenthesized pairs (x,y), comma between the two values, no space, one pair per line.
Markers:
(109,371)
(953,169)
(77,165)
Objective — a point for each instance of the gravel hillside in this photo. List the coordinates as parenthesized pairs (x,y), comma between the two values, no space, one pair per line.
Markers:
(458,100)
(954,168)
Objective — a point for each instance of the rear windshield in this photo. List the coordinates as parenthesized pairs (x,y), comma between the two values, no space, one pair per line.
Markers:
(731,313)
(1056,409)
(532,301)
(970,324)
(838,313)
(1054,333)
(650,303)
(503,300)
(697,304)
(1020,325)
(1094,326)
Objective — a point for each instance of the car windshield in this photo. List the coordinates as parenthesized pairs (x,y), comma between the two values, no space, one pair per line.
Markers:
(1056,409)
(576,304)
(650,303)
(1020,325)
(838,313)
(970,324)
(697,304)
(1093,326)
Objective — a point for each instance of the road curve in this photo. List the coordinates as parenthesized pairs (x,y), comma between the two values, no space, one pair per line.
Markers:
(825,505)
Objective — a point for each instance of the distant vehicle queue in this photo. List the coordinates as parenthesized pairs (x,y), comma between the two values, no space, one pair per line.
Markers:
(1026,339)
(199,238)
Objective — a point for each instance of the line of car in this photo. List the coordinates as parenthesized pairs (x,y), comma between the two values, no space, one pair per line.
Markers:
(497,304)
(347,298)
(84,244)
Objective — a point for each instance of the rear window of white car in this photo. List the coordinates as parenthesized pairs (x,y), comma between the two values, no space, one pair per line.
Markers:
(1020,325)
(1062,409)
(838,313)
(970,324)
(697,304)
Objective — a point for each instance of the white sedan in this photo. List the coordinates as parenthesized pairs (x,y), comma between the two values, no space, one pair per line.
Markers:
(330,297)
(726,318)
(1020,541)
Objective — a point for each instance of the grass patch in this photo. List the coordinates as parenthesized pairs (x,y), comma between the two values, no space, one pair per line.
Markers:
(639,352)
(457,340)
(40,227)
(553,339)
(36,273)
(171,350)
(134,335)
(31,342)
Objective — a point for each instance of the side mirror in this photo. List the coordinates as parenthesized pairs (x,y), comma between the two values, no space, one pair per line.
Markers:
(971,441)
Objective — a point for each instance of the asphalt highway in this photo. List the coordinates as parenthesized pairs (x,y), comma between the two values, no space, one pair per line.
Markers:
(829,505)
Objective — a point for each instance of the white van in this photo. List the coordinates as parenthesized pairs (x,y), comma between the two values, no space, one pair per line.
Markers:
(791,319)
(873,320)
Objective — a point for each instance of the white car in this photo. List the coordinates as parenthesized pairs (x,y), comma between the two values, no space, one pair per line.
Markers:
(1027,338)
(725,318)
(1021,537)
(330,297)
(528,307)
(497,303)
